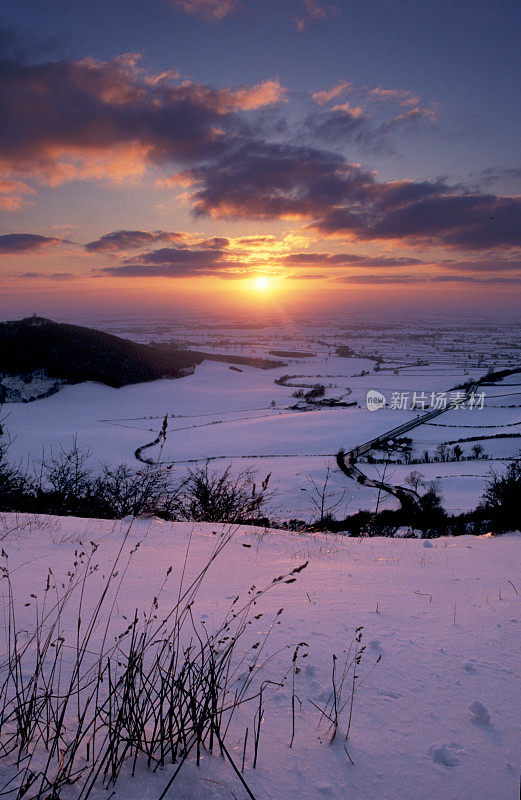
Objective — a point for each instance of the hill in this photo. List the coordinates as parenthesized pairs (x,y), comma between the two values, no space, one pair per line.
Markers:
(45,354)
(38,356)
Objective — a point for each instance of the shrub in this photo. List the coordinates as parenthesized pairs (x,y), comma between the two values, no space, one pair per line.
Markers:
(500,501)
(213,496)
(151,491)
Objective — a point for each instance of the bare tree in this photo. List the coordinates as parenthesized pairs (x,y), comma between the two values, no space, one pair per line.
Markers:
(477,450)
(415,480)
(324,501)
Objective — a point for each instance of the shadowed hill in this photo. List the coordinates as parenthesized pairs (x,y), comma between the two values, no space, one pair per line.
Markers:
(36,349)
(74,354)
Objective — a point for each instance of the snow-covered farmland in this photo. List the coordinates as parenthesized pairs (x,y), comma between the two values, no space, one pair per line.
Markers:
(238,414)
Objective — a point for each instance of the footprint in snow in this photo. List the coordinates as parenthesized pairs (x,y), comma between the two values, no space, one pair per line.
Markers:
(479,713)
(444,755)
(325,788)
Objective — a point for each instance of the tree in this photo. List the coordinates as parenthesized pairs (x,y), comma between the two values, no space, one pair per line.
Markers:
(457,452)
(500,501)
(323,501)
(415,480)
(405,445)
(429,516)
(477,450)
(441,452)
(64,477)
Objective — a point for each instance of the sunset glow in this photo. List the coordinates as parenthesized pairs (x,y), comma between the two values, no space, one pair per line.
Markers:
(262,284)
(148,160)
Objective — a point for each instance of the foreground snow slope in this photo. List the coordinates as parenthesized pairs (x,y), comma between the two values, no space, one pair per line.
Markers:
(445,616)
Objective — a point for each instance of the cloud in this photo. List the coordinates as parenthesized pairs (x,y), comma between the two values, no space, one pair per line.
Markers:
(308,276)
(263,180)
(120,241)
(209,10)
(410,119)
(51,276)
(93,119)
(495,174)
(16,243)
(276,181)
(348,260)
(340,124)
(404,97)
(12,194)
(326,95)
(311,11)
(345,123)
(491,264)
(171,262)
(433,279)
(253,97)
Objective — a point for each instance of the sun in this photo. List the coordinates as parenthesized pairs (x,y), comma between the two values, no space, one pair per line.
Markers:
(261,284)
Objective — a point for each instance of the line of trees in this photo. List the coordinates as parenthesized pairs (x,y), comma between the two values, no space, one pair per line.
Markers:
(62,482)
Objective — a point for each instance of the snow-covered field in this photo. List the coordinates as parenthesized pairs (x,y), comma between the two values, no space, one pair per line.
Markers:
(436,718)
(240,416)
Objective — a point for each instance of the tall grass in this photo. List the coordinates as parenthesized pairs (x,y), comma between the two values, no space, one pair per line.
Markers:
(80,703)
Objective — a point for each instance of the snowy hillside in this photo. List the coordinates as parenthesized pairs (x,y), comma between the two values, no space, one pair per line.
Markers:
(435,711)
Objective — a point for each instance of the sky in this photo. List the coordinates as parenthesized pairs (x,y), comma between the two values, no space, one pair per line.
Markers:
(243,155)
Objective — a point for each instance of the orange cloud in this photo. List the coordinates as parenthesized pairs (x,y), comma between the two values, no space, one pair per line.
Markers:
(93,119)
(326,95)
(405,97)
(12,194)
(209,10)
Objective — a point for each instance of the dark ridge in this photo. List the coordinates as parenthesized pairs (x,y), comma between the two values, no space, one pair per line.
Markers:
(74,354)
(36,346)
(292,354)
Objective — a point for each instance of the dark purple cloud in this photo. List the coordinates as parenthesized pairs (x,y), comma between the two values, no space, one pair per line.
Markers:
(490,264)
(495,174)
(448,279)
(50,276)
(263,180)
(15,243)
(171,262)
(61,119)
(268,181)
(347,260)
(173,255)
(120,241)
(338,126)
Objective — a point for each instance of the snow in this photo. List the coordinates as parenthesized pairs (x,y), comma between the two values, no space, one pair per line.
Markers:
(435,717)
(244,418)
(17,389)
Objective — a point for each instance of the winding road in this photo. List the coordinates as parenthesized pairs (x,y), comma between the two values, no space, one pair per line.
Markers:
(347,460)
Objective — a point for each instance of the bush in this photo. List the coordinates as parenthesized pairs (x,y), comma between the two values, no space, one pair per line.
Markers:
(151,491)
(64,484)
(14,484)
(212,496)
(500,501)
